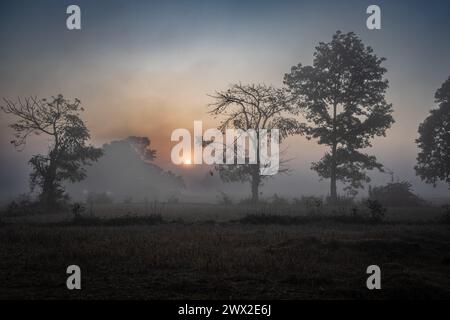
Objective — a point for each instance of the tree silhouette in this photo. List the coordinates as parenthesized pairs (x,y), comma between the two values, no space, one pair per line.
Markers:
(68,152)
(253,107)
(126,170)
(142,147)
(433,160)
(343,98)
(396,194)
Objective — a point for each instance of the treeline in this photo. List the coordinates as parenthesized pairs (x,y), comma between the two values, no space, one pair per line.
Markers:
(338,101)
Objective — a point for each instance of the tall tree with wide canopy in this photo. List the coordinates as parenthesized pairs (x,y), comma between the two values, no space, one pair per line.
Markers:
(433,160)
(342,95)
(59,119)
(253,107)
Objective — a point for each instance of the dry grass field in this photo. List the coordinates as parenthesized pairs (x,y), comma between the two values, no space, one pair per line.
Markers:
(216,252)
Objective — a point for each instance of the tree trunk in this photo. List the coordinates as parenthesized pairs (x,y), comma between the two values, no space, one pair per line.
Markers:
(48,195)
(256,180)
(333,190)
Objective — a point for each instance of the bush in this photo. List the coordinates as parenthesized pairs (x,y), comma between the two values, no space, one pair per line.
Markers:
(376,209)
(23,206)
(309,202)
(396,194)
(341,201)
(78,209)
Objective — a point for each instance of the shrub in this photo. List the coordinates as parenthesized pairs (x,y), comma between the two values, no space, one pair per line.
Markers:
(396,194)
(309,202)
(341,201)
(23,206)
(376,209)
(78,209)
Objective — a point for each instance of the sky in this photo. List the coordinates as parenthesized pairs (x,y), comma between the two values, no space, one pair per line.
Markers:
(145,68)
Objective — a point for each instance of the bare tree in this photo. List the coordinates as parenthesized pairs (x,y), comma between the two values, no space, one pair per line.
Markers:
(68,152)
(253,107)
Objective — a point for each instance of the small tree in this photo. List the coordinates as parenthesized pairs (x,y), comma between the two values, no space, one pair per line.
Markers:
(68,152)
(433,160)
(253,107)
(342,96)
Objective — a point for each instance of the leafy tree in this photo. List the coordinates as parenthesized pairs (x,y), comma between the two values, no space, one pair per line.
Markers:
(433,160)
(253,107)
(68,153)
(342,96)
(142,147)
(396,194)
(127,171)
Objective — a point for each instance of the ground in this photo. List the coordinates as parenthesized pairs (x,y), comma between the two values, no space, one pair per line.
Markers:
(212,256)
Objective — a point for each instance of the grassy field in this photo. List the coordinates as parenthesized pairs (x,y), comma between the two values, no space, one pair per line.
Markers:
(216,252)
